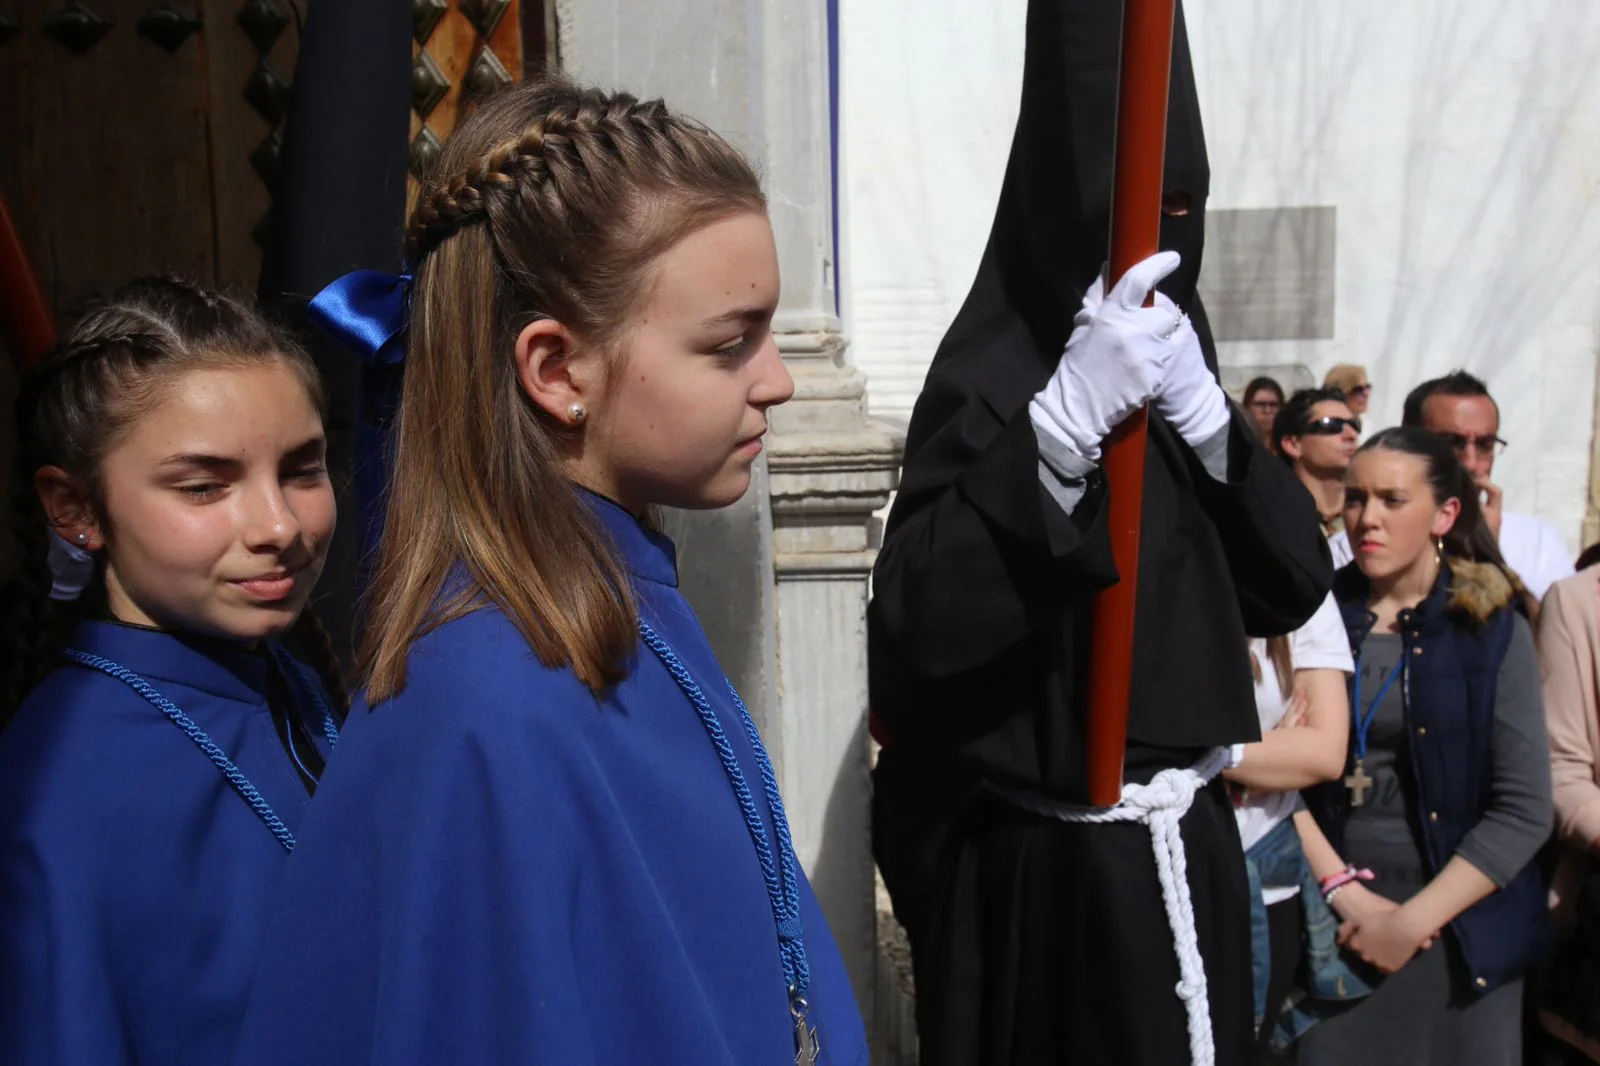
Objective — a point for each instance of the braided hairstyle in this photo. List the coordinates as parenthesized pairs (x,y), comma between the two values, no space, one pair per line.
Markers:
(549,202)
(107,371)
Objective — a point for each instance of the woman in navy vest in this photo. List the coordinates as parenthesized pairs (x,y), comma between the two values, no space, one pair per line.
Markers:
(1425,848)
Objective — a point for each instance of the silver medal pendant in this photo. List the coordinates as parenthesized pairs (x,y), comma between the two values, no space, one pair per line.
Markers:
(808,1049)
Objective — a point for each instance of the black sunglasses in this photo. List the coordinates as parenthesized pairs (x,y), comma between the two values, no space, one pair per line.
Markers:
(1329,426)
(1358,390)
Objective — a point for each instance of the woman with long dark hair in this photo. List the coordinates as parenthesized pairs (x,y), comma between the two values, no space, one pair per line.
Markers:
(1263,398)
(1425,848)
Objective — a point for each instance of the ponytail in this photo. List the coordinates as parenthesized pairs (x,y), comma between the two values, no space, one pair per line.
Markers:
(311,644)
(1469,537)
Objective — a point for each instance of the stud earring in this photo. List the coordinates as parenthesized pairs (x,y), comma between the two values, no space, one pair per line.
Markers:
(82,538)
(577,413)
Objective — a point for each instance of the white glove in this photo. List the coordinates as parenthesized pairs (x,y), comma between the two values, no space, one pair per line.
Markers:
(1189,398)
(1115,361)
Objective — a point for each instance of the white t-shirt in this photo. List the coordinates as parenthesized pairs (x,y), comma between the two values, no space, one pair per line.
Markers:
(1535,551)
(1320,644)
(1339,545)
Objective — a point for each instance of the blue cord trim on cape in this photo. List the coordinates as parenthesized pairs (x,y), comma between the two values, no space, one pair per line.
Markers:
(235,777)
(781,872)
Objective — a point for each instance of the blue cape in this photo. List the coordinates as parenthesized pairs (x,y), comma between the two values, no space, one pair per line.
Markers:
(135,883)
(501,869)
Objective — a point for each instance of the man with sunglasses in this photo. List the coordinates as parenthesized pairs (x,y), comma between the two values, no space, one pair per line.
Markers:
(1317,434)
(1459,408)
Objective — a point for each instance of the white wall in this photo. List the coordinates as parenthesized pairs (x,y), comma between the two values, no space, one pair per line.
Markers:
(1460,145)
(929,91)
(1458,142)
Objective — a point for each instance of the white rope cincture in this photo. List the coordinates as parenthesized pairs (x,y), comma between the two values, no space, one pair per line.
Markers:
(1161,805)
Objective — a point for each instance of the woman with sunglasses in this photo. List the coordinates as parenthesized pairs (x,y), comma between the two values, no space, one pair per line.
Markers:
(1431,833)
(1351,380)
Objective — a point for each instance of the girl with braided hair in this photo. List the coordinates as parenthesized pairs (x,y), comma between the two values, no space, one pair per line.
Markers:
(174,510)
(552,835)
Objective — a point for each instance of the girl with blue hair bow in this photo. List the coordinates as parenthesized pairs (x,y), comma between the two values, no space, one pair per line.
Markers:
(552,834)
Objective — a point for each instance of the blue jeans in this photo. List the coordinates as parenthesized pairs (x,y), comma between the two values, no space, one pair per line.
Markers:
(1325,983)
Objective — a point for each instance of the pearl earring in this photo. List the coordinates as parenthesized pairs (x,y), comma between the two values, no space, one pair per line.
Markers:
(577,413)
(82,538)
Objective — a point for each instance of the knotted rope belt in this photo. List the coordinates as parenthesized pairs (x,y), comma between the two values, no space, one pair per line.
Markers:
(1161,805)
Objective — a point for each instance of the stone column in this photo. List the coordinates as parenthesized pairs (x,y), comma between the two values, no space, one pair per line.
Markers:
(780,580)
(830,469)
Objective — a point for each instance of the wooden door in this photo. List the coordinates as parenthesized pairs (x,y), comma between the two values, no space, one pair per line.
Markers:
(141,136)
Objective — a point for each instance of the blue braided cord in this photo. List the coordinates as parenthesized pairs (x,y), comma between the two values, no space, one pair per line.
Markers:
(780,820)
(782,887)
(290,668)
(241,784)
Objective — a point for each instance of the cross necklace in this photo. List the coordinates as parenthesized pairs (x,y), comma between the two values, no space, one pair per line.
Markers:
(1357,781)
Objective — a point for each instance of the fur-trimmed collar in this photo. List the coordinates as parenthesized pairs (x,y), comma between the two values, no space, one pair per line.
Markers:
(1477,590)
(1469,592)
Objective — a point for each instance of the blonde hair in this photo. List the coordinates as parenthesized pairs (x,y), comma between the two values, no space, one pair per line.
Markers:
(549,202)
(1344,377)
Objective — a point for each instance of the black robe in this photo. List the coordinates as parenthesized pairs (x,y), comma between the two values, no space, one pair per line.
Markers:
(1034,940)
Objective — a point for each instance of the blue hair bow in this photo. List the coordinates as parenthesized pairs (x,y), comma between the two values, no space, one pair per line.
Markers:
(366,310)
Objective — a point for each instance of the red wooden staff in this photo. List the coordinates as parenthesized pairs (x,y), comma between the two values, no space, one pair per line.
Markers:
(1140,162)
(25,324)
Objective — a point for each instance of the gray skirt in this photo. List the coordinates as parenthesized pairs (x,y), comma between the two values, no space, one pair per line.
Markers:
(1419,1016)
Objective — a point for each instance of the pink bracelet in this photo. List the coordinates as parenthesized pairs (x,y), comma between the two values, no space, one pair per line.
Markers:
(1333,882)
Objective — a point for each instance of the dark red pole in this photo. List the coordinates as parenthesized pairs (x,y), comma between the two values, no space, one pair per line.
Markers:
(1135,235)
(25,323)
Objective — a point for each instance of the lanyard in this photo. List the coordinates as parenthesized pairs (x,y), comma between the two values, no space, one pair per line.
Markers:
(780,873)
(241,784)
(1363,720)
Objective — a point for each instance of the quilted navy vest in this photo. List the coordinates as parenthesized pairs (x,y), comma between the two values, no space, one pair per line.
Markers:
(1449,686)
